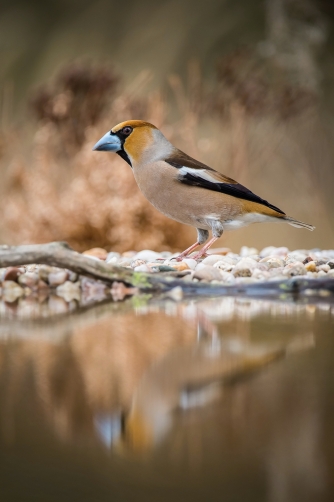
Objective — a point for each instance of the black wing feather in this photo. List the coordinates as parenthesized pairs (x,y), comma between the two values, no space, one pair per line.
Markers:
(236,189)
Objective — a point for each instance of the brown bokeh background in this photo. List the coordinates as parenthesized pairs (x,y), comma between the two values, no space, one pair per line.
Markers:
(246,87)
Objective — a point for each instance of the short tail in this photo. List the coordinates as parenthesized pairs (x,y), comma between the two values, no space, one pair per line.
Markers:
(297,224)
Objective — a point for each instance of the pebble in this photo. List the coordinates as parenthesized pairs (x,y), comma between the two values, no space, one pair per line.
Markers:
(221,251)
(57,305)
(246,251)
(206,273)
(93,290)
(44,271)
(212,259)
(324,268)
(295,256)
(273,261)
(11,274)
(227,277)
(148,255)
(125,261)
(295,268)
(180,266)
(221,267)
(244,267)
(275,272)
(72,276)
(29,279)
(129,254)
(57,278)
(175,294)
(11,291)
(273,251)
(69,291)
(143,268)
(99,253)
(311,266)
(137,262)
(112,257)
(260,274)
(190,262)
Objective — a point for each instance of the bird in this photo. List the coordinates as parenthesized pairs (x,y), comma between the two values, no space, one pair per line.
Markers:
(185,189)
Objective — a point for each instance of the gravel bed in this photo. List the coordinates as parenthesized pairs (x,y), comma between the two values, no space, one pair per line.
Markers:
(222,266)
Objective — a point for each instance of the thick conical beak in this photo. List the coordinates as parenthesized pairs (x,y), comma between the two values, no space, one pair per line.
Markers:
(109,143)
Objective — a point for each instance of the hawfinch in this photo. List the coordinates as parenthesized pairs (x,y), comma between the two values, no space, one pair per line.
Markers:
(185,189)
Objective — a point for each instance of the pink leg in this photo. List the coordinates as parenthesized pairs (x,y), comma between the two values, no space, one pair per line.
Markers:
(187,251)
(204,249)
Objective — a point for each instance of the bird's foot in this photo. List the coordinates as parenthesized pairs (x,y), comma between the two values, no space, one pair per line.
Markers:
(199,255)
(186,253)
(180,257)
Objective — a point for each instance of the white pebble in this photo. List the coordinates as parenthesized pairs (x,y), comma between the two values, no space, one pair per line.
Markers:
(246,251)
(212,259)
(190,262)
(246,263)
(224,266)
(147,255)
(295,268)
(142,268)
(227,277)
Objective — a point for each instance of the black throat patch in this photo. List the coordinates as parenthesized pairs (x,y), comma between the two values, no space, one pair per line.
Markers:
(122,153)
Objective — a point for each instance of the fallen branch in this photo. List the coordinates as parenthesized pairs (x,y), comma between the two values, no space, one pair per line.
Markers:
(59,254)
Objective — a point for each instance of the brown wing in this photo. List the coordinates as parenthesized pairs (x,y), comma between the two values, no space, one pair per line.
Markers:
(192,172)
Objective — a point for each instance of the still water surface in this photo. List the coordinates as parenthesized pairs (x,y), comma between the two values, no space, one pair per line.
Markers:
(223,399)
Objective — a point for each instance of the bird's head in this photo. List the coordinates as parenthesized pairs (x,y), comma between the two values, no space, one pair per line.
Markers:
(135,141)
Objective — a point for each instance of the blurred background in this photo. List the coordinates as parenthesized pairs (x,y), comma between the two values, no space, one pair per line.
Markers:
(246,87)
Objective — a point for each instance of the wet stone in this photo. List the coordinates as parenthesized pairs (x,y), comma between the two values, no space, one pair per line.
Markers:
(57,278)
(93,291)
(11,274)
(44,271)
(69,291)
(72,276)
(11,291)
(29,279)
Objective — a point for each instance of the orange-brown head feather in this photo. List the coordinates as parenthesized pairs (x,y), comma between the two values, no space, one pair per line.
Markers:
(140,138)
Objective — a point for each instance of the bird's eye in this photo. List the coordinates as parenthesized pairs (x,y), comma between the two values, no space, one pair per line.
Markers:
(127,130)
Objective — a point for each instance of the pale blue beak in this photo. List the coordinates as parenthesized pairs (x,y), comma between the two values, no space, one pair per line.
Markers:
(109,143)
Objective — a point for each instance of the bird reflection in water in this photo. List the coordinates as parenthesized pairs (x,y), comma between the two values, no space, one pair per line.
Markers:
(122,378)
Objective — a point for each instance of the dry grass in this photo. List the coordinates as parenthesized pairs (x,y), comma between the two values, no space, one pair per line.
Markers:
(56,188)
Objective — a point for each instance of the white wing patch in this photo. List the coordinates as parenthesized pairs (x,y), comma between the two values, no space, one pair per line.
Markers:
(199,173)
